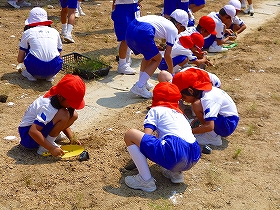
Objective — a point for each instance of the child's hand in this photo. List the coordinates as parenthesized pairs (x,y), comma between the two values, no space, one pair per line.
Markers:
(57,151)
(75,141)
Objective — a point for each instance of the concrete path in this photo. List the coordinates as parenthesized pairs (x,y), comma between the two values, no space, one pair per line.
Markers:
(112,94)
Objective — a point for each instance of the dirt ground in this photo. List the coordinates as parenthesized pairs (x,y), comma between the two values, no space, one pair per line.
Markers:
(244,173)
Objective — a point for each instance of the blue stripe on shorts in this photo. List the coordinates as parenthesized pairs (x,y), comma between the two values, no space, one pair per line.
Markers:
(27,141)
(172,153)
(122,16)
(41,69)
(140,39)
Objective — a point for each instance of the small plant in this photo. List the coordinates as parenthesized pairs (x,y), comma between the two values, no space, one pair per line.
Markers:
(251,130)
(235,156)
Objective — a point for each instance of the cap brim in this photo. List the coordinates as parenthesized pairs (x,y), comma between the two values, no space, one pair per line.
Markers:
(44,23)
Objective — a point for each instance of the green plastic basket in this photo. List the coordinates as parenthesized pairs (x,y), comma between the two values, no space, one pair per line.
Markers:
(71,66)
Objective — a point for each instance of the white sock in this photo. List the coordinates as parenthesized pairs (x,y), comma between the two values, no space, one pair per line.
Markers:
(122,61)
(176,68)
(251,6)
(143,79)
(140,161)
(78,4)
(64,27)
(69,28)
(51,139)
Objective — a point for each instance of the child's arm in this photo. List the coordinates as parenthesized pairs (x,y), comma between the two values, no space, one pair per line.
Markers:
(68,132)
(35,133)
(21,56)
(205,127)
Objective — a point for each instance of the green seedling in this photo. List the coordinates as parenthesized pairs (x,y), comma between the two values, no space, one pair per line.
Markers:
(235,156)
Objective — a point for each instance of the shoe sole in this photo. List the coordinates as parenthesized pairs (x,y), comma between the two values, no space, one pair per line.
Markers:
(139,95)
(132,73)
(69,40)
(141,188)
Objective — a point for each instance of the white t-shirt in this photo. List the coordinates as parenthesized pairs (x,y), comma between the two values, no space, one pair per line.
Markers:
(169,122)
(40,111)
(219,25)
(237,21)
(217,101)
(164,28)
(44,42)
(178,49)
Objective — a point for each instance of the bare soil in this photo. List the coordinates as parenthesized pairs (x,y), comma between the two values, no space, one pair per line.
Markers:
(244,173)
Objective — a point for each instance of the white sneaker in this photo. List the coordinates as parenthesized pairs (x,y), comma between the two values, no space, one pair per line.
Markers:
(175,177)
(216,48)
(42,149)
(81,13)
(68,38)
(126,69)
(149,86)
(51,79)
(61,136)
(141,91)
(63,32)
(138,183)
(209,138)
(77,14)
(24,4)
(249,11)
(14,4)
(26,74)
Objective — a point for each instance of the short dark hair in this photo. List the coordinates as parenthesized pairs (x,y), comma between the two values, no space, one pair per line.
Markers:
(196,93)
(222,12)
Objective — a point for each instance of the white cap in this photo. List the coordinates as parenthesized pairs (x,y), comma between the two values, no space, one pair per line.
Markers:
(37,16)
(235,3)
(180,16)
(230,10)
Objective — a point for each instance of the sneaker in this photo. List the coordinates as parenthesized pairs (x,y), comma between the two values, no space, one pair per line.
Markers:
(249,11)
(175,177)
(77,14)
(141,91)
(24,4)
(149,86)
(61,136)
(14,4)
(41,150)
(68,38)
(81,13)
(138,183)
(216,49)
(51,79)
(63,32)
(209,138)
(126,69)
(26,74)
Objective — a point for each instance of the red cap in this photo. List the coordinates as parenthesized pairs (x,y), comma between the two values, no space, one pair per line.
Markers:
(166,94)
(208,23)
(72,88)
(193,77)
(195,39)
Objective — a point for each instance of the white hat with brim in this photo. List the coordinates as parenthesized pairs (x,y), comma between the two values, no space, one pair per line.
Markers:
(236,4)
(230,10)
(181,16)
(38,16)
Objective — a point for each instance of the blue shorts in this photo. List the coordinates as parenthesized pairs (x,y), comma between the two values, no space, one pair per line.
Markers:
(170,5)
(140,39)
(197,2)
(209,41)
(176,60)
(172,153)
(122,16)
(72,4)
(225,126)
(27,141)
(41,69)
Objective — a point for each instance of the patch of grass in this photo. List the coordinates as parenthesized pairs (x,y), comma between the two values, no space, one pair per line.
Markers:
(235,156)
(251,130)
(161,205)
(213,175)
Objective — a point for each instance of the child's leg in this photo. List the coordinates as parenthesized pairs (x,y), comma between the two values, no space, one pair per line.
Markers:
(133,139)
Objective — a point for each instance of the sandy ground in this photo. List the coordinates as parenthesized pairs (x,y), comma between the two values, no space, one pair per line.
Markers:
(241,174)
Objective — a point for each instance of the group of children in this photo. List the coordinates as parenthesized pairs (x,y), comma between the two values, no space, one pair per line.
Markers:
(176,147)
